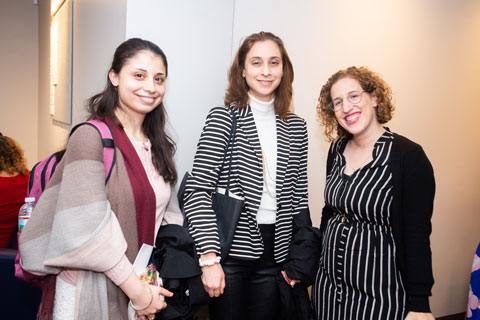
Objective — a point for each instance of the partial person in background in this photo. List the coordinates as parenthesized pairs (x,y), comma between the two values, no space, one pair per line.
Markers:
(13,187)
(269,170)
(89,233)
(376,260)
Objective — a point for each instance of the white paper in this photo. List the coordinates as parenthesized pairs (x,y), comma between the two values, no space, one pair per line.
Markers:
(142,259)
(139,265)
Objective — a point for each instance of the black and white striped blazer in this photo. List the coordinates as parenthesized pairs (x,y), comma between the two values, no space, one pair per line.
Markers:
(246,180)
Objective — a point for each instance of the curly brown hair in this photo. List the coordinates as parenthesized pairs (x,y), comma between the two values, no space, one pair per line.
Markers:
(11,157)
(370,83)
(237,91)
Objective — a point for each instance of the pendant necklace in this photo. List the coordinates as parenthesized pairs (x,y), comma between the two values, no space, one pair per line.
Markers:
(265,169)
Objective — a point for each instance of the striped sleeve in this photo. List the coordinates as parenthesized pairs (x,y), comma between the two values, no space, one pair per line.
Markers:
(300,194)
(207,164)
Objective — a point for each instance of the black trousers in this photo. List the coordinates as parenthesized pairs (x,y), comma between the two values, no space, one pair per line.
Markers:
(251,291)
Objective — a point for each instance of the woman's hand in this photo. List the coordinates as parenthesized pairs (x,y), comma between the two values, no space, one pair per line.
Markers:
(148,299)
(157,297)
(158,303)
(419,316)
(213,278)
(290,282)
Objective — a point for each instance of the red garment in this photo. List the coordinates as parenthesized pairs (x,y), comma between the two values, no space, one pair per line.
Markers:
(145,203)
(13,191)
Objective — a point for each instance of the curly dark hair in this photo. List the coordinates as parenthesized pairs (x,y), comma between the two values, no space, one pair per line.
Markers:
(237,86)
(370,82)
(12,160)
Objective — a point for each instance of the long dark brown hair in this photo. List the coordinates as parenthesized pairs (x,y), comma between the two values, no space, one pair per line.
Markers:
(237,91)
(103,105)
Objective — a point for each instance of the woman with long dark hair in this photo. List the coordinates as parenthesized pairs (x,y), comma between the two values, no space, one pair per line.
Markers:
(88,233)
(269,170)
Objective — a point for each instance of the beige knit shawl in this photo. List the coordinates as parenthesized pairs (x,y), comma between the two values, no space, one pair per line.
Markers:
(79,223)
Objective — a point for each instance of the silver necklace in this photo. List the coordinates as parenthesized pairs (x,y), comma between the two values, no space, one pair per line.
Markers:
(353,170)
(265,169)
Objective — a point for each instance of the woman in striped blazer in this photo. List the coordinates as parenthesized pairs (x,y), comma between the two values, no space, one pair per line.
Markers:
(376,260)
(269,170)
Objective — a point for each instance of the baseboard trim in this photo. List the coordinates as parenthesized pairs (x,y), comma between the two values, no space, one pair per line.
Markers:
(458,316)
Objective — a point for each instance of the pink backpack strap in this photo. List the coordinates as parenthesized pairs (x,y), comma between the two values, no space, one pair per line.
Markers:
(107,142)
(108,145)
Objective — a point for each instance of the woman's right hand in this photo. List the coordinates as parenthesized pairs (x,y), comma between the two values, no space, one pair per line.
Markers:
(158,303)
(152,298)
(213,278)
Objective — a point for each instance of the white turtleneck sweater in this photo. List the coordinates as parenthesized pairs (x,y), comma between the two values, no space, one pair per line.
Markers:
(265,121)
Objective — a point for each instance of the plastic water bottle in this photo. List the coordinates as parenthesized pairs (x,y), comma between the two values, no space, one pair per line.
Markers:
(25,212)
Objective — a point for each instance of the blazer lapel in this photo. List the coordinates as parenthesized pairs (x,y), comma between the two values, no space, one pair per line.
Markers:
(248,136)
(283,153)
(247,123)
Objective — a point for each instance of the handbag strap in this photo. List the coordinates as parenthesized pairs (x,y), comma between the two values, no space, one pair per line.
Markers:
(232,138)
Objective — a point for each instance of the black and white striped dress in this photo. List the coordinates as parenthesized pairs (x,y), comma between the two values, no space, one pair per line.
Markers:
(358,277)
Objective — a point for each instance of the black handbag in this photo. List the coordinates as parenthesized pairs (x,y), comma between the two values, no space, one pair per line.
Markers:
(227,207)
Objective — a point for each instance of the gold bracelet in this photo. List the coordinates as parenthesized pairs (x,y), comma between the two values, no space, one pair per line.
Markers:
(149,304)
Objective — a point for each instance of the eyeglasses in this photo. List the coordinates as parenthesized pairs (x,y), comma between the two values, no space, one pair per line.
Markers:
(352,97)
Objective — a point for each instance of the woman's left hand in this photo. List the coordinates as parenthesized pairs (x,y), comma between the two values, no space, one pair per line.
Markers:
(419,316)
(290,282)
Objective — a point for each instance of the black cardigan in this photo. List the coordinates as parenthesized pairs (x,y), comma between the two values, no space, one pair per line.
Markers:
(412,207)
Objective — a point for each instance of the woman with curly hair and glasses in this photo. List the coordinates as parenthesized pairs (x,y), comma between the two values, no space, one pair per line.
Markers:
(13,186)
(376,259)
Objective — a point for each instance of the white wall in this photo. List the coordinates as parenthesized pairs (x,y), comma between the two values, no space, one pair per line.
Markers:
(19,67)
(426,50)
(51,136)
(98,28)
(196,37)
